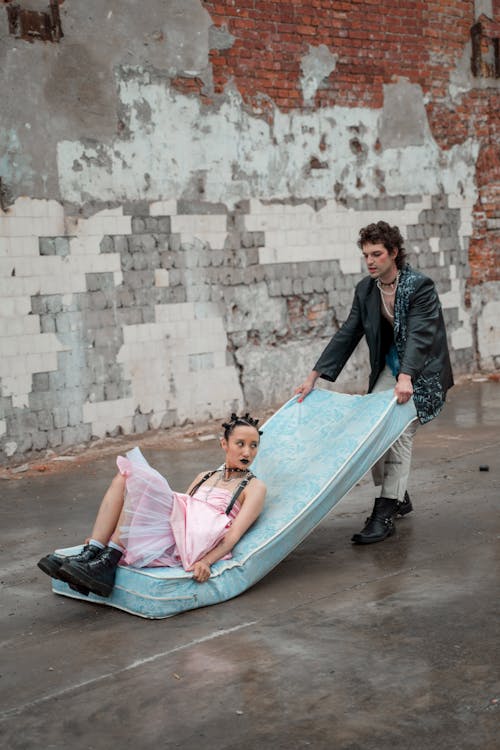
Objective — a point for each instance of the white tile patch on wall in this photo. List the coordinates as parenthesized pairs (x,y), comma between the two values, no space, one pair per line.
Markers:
(163,208)
(162,278)
(488,334)
(156,359)
(105,416)
(180,360)
(462,337)
(209,228)
(24,273)
(466,204)
(301,234)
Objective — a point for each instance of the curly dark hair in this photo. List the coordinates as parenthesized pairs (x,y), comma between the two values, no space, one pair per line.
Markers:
(235,420)
(382,233)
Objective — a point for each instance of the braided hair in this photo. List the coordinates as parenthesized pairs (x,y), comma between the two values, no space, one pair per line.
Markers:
(235,420)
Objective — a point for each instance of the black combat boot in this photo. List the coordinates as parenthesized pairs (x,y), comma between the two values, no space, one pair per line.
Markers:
(51,564)
(380,524)
(98,575)
(404,506)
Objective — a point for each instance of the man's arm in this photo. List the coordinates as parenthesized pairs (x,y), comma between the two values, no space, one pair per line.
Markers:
(337,351)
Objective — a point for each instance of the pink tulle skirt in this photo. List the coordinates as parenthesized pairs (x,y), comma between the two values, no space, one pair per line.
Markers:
(166,528)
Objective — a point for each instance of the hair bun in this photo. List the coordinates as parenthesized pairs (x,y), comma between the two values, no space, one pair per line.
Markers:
(235,420)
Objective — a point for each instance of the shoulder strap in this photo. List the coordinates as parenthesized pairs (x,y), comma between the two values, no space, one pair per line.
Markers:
(239,489)
(202,480)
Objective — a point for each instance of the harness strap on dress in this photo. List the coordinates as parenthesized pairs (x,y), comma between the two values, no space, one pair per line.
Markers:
(202,480)
(239,489)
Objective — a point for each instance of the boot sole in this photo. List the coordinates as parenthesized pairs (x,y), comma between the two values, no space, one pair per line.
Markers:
(83,590)
(53,570)
(358,539)
(77,578)
(49,568)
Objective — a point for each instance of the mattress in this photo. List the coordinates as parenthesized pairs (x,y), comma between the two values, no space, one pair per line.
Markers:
(311,454)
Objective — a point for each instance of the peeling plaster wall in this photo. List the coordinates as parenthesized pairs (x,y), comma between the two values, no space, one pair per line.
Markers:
(170,251)
(51,92)
(228,154)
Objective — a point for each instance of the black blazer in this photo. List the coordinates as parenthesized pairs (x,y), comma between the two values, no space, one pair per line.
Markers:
(419,336)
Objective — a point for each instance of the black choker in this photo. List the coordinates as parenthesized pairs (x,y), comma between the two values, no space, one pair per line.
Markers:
(227,471)
(389,283)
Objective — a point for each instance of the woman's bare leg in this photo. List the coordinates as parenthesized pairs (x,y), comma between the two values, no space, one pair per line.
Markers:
(108,515)
(115,537)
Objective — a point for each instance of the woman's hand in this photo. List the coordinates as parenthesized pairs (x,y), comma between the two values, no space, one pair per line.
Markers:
(201,571)
(252,503)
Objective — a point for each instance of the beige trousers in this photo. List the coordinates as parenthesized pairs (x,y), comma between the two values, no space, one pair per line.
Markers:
(391,472)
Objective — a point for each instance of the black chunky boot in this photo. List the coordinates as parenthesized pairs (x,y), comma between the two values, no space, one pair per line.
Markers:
(380,524)
(51,564)
(404,506)
(98,575)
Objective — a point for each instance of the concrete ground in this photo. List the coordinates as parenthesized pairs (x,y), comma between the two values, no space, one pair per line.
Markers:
(339,648)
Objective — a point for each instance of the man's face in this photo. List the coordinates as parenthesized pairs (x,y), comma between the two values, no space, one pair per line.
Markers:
(380,262)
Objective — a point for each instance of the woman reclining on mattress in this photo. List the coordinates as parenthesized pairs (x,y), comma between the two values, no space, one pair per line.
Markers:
(142,522)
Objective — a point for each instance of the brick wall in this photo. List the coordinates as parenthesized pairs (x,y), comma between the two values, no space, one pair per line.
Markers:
(375,42)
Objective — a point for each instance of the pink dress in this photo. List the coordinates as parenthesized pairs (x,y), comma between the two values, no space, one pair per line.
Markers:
(167,528)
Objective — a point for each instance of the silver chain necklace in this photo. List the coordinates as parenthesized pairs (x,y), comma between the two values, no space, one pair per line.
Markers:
(388,294)
(222,479)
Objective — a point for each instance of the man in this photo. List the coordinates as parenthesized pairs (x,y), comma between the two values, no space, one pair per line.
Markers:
(398,310)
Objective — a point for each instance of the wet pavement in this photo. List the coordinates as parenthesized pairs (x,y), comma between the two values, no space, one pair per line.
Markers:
(339,648)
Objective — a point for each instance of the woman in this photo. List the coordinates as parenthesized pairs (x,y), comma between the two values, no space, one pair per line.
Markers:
(142,522)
